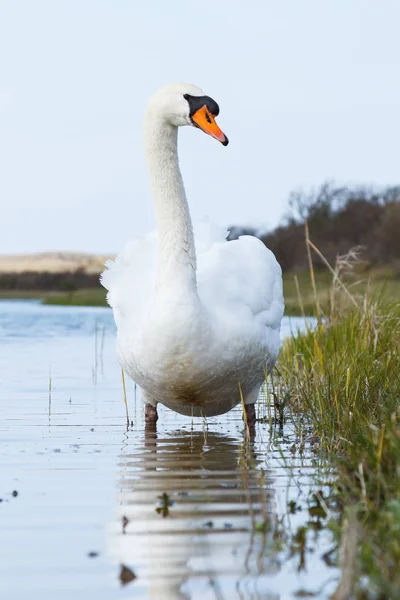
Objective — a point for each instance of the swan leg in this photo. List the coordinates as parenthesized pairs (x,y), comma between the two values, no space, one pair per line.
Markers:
(250,408)
(250,415)
(150,414)
(150,411)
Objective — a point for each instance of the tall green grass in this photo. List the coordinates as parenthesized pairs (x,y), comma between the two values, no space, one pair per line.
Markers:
(343,377)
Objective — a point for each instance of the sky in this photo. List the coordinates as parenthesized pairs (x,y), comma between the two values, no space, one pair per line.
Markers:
(308,90)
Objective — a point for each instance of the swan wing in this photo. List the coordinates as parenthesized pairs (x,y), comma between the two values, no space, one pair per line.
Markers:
(130,280)
(242,278)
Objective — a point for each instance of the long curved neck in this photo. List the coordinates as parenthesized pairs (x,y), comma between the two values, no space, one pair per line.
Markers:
(176,248)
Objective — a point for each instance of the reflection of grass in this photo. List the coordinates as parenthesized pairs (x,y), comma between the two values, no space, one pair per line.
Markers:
(344,378)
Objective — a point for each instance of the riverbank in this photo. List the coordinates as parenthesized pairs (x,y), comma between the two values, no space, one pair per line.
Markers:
(342,379)
(380,282)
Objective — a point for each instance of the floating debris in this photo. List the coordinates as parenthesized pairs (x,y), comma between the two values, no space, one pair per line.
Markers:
(126,575)
(304,594)
(125,522)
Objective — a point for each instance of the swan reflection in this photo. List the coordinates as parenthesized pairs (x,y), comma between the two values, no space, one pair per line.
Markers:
(212,494)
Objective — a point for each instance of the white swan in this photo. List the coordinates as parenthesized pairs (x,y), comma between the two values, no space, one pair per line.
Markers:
(198,317)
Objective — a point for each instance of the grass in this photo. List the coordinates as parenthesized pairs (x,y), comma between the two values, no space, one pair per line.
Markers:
(84,297)
(377,281)
(343,378)
(81,297)
(22,294)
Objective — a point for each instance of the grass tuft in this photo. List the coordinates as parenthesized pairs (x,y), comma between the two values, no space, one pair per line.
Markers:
(343,377)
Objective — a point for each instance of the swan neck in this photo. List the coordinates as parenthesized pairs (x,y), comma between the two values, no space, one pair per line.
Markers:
(176,248)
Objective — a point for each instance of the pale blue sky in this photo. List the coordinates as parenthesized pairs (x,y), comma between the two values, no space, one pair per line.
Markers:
(308,90)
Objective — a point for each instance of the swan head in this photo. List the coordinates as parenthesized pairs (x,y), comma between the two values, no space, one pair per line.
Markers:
(183,104)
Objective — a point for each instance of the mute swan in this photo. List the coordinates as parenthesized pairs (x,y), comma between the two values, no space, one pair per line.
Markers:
(198,318)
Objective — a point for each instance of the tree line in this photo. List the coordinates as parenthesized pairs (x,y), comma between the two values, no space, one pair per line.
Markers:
(64,281)
(340,218)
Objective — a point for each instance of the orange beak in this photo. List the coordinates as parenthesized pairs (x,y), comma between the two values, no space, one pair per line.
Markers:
(204,120)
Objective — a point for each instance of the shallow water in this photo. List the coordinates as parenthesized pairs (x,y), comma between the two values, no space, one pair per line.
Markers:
(88,488)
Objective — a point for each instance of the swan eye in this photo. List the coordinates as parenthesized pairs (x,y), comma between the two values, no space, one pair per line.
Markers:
(196,102)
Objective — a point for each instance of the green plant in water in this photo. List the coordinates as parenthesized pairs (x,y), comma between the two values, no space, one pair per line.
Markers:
(166,503)
(299,546)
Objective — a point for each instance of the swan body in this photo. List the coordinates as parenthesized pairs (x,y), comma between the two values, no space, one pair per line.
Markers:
(198,318)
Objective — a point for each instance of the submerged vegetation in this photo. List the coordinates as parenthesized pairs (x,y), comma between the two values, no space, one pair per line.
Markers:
(343,381)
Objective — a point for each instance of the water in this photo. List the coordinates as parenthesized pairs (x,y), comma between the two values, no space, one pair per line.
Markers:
(83,519)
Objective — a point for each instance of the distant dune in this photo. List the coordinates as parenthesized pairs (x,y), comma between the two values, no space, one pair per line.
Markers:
(53,262)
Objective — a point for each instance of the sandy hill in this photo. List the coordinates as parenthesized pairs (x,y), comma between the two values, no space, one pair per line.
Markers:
(54,262)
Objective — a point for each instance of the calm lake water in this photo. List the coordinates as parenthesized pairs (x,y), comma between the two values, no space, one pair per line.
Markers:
(80,491)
